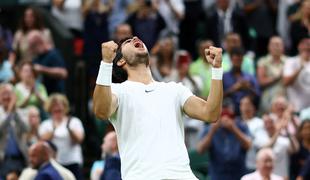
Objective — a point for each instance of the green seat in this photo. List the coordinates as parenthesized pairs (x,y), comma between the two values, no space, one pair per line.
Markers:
(199,163)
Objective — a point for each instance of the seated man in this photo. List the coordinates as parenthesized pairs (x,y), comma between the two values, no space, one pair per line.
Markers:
(39,158)
(264,166)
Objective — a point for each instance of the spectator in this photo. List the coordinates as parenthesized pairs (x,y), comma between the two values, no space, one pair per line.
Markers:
(280,108)
(146,23)
(190,26)
(118,13)
(7,38)
(227,142)
(98,166)
(181,73)
(223,18)
(282,146)
(6,66)
(269,72)
(48,63)
(255,125)
(299,159)
(30,173)
(164,59)
(40,159)
(112,166)
(304,114)
(31,20)
(200,67)
(65,131)
(34,122)
(13,175)
(283,21)
(264,160)
(28,90)
(300,27)
(305,172)
(237,83)
(122,31)
(193,127)
(233,40)
(296,74)
(13,130)
(261,16)
(95,32)
(68,12)
(173,12)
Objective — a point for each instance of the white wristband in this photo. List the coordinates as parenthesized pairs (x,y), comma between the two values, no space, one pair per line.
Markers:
(217,73)
(104,77)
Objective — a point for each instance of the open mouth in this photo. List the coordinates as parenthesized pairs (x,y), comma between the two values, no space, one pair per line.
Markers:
(138,44)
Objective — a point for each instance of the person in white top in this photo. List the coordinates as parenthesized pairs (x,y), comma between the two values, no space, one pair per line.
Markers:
(147,115)
(264,162)
(66,132)
(255,125)
(296,74)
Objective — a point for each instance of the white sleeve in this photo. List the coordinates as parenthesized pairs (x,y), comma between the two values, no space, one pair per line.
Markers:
(179,6)
(183,93)
(76,124)
(46,126)
(116,90)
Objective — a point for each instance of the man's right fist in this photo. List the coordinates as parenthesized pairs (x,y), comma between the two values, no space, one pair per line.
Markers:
(108,51)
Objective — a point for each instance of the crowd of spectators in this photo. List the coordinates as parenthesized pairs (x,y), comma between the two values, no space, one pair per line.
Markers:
(264,129)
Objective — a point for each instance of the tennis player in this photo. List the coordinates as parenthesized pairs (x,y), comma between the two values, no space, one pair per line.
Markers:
(147,115)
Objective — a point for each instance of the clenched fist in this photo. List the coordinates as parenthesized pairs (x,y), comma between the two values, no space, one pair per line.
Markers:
(108,51)
(214,56)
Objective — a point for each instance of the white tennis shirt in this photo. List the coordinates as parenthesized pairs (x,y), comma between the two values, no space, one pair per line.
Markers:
(150,131)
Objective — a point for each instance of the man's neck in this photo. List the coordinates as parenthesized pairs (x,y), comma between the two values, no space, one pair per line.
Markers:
(140,73)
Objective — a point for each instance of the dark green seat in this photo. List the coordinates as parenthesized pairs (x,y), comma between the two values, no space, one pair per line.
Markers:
(199,163)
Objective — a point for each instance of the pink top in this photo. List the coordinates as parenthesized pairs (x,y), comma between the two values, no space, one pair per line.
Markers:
(257,176)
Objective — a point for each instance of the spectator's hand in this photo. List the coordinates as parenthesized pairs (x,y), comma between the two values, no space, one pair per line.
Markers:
(108,50)
(237,86)
(245,85)
(216,125)
(227,123)
(38,68)
(214,56)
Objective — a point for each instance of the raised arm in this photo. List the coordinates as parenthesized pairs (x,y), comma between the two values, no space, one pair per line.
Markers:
(209,111)
(104,102)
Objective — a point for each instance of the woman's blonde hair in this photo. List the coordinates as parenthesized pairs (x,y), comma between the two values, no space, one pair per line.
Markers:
(57,97)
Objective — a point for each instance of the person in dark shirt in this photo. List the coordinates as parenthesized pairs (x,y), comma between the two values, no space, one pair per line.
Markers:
(48,63)
(146,23)
(227,142)
(237,83)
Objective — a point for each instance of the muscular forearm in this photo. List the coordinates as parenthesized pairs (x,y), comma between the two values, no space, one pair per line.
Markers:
(214,101)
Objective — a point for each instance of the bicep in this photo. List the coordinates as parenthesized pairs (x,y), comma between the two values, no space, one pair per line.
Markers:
(194,107)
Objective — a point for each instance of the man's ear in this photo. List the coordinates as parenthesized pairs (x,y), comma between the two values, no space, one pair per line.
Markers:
(121,62)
